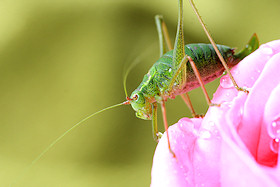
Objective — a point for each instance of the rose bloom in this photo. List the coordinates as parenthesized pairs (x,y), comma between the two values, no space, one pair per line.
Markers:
(235,144)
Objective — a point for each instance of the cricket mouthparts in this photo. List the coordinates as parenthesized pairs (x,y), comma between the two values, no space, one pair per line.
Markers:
(127,102)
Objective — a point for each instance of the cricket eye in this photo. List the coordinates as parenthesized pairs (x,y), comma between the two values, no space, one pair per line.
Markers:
(135,97)
(139,98)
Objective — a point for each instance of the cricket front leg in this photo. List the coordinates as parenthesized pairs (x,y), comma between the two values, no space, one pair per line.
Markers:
(166,127)
(157,135)
(163,35)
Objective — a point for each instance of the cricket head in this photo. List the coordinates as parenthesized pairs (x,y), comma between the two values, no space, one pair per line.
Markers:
(141,105)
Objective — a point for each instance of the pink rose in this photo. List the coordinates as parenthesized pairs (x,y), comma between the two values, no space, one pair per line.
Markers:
(235,144)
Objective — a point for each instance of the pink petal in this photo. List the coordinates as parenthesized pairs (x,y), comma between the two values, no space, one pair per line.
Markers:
(169,171)
(239,168)
(222,148)
(254,106)
(192,164)
(267,152)
(245,74)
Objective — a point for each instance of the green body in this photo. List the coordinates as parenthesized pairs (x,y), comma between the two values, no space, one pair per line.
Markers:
(155,84)
(157,80)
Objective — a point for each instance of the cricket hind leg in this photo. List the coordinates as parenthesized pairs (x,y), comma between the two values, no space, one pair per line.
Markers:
(215,48)
(188,102)
(197,74)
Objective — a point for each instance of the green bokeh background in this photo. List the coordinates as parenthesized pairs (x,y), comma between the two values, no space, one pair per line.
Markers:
(63,60)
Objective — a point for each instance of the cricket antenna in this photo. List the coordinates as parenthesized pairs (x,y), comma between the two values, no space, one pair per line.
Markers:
(61,136)
(125,75)
(134,63)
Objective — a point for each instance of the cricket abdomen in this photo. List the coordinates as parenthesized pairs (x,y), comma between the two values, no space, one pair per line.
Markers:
(207,63)
(157,80)
(206,59)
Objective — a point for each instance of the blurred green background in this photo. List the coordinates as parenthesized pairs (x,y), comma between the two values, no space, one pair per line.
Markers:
(63,60)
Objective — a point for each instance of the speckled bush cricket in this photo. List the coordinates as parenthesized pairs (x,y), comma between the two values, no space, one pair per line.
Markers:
(181,70)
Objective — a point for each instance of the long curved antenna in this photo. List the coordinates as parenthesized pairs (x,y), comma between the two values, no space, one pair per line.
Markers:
(136,61)
(131,66)
(60,137)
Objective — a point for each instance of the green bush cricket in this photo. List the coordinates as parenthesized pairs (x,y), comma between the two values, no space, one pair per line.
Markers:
(175,73)
(181,70)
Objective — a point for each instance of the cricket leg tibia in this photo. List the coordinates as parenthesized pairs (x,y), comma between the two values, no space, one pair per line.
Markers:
(197,74)
(157,135)
(214,104)
(242,89)
(164,38)
(188,102)
(234,82)
(216,48)
(173,154)
(166,127)
(159,20)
